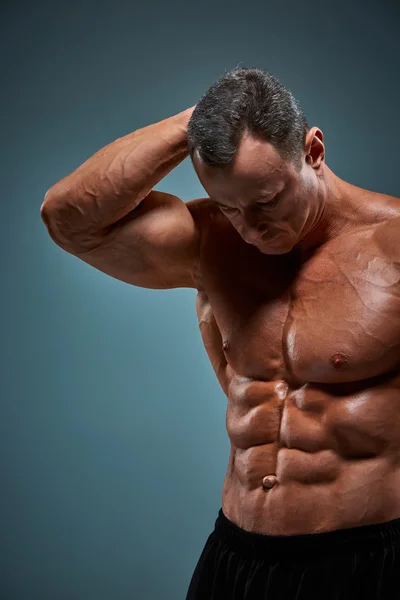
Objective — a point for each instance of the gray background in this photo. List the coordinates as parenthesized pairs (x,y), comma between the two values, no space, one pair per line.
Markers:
(112,443)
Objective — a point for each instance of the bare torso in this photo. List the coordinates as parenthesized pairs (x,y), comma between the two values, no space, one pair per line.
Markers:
(307,352)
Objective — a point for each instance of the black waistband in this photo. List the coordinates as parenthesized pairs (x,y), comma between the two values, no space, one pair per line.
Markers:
(339,541)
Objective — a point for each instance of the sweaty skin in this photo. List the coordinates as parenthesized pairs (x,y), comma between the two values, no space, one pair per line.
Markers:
(308,355)
(298,279)
(306,346)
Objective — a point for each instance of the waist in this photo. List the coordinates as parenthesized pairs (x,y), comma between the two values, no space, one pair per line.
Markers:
(373,536)
(363,493)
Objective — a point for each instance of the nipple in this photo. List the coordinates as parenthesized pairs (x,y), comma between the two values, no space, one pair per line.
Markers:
(339,359)
(269,481)
(225,345)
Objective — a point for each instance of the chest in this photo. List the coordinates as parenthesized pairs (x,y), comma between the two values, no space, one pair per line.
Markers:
(333,318)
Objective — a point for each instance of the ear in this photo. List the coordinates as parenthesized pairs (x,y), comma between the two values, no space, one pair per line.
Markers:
(314,147)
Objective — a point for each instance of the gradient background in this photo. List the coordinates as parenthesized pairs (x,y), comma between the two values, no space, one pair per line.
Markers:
(113,446)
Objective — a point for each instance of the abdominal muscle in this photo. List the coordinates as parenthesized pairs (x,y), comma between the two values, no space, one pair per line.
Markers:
(302,461)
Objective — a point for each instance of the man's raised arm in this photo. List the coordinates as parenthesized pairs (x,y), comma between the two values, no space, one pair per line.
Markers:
(106,213)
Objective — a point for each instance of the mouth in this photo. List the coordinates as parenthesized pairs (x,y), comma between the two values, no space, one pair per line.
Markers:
(266,240)
(280,244)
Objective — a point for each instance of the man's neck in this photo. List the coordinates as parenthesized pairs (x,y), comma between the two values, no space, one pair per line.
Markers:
(335,216)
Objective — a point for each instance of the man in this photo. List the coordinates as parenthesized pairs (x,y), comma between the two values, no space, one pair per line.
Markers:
(298,279)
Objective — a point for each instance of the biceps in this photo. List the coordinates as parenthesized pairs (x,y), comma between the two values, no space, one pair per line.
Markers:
(154,247)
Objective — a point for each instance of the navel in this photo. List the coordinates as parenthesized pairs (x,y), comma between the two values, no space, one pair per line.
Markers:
(339,359)
(269,481)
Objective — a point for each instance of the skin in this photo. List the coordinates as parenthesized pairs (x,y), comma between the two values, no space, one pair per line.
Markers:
(298,305)
(299,309)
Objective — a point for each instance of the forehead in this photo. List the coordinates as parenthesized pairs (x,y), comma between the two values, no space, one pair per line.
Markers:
(257,169)
(256,157)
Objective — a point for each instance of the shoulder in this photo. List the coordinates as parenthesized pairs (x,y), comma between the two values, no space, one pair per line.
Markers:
(217,234)
(215,228)
(209,219)
(202,210)
(387,236)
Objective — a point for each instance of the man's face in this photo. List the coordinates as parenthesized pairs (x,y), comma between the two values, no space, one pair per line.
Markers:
(270,203)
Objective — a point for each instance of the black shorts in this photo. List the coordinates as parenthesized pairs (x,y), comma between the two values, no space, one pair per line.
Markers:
(360,563)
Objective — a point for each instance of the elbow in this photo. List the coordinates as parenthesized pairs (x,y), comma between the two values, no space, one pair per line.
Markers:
(49,213)
(48,220)
(48,206)
(50,200)
(61,218)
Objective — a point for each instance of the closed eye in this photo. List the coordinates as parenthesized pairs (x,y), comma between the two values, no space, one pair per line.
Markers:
(263,205)
(227,208)
(270,204)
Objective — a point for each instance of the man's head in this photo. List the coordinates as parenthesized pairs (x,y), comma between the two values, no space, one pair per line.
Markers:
(258,159)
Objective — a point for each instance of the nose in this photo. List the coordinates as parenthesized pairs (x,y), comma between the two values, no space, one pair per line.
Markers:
(253,229)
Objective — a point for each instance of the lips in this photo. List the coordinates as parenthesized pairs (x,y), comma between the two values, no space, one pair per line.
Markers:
(268,240)
(264,239)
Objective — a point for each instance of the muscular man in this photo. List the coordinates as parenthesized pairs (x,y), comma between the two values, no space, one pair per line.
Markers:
(298,279)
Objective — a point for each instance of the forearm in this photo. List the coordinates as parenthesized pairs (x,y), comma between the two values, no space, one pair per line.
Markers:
(112,182)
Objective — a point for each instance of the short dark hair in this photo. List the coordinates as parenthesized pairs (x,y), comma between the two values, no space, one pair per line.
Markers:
(246,99)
